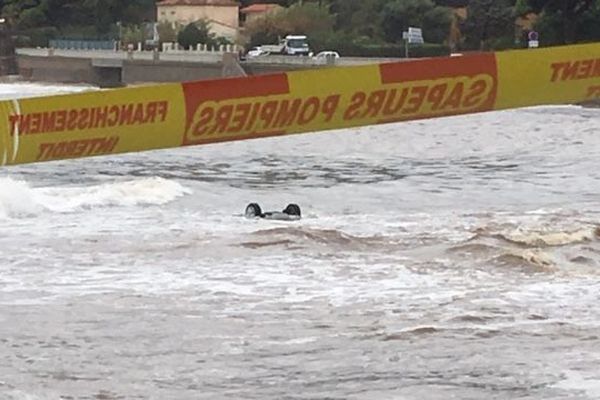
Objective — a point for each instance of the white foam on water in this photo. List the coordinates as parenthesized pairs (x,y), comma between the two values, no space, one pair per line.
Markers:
(145,191)
(28,89)
(575,381)
(552,238)
(15,394)
(17,198)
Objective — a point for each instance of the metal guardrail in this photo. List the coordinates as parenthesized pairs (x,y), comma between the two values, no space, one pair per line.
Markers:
(196,56)
(65,44)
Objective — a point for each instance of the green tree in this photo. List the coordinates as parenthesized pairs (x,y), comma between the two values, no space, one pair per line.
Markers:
(398,15)
(561,19)
(307,19)
(452,3)
(189,36)
(588,28)
(23,14)
(522,7)
(196,33)
(360,18)
(32,17)
(132,34)
(101,14)
(39,20)
(167,32)
(489,22)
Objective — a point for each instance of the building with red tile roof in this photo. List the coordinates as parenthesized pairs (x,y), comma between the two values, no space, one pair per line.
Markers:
(258,10)
(223,15)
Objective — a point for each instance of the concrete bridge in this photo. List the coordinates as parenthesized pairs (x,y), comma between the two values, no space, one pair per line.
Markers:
(109,68)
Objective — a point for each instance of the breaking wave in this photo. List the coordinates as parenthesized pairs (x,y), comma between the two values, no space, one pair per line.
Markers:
(526,258)
(550,239)
(535,249)
(18,198)
(300,237)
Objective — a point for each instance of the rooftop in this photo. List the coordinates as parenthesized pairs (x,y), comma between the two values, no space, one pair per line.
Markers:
(259,8)
(217,3)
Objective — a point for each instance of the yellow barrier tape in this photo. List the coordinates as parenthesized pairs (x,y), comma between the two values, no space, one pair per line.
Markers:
(172,115)
(554,75)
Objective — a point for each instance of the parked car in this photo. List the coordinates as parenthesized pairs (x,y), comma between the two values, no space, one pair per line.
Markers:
(323,55)
(326,57)
(255,52)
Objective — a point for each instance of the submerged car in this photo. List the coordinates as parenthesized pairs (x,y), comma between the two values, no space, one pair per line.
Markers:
(289,213)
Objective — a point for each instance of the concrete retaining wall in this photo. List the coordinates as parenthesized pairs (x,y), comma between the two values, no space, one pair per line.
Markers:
(147,71)
(56,69)
(81,70)
(110,69)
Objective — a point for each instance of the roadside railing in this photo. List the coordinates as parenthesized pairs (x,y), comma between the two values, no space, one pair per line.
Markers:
(66,44)
(173,52)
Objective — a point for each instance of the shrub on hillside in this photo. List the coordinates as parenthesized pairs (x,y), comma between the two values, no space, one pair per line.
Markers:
(36,37)
(308,19)
(196,33)
(349,46)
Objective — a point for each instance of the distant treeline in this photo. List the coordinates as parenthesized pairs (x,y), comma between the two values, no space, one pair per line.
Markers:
(353,25)
(38,21)
(376,26)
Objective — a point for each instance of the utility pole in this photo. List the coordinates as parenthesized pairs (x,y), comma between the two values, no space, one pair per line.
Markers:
(413,35)
(120,27)
(8,58)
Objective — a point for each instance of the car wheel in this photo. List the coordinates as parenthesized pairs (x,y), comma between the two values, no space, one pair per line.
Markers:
(292,209)
(252,210)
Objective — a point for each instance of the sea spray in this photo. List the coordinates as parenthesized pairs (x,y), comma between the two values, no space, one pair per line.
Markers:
(16,198)
(146,191)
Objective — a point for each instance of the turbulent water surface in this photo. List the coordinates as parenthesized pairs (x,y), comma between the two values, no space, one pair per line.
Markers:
(450,258)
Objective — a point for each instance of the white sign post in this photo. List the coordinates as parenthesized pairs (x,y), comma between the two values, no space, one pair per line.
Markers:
(533,37)
(151,34)
(413,35)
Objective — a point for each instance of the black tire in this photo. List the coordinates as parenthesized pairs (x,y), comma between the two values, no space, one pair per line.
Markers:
(253,210)
(292,209)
